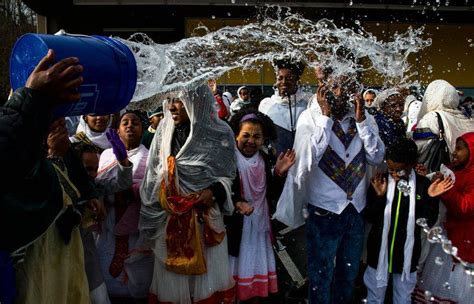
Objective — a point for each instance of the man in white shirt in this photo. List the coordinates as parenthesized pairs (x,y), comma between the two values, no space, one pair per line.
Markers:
(334,144)
(286,105)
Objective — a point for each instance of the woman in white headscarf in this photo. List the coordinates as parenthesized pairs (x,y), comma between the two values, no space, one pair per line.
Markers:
(441,97)
(185,193)
(91,130)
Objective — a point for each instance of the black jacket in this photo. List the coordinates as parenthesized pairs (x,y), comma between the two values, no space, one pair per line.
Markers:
(30,194)
(234,224)
(426,207)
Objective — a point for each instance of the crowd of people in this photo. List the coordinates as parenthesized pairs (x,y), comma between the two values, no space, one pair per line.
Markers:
(179,205)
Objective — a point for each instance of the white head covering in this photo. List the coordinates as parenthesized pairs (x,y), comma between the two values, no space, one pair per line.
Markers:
(227,98)
(383,95)
(207,157)
(97,138)
(240,89)
(440,95)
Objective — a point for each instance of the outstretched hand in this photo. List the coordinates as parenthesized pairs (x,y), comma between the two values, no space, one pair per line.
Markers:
(379,183)
(284,162)
(440,186)
(59,81)
(118,148)
(421,169)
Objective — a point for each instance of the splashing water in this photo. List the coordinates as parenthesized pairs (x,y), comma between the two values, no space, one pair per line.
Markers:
(191,61)
(435,235)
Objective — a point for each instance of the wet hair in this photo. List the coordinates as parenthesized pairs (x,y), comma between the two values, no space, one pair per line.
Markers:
(403,150)
(253,116)
(297,67)
(82,147)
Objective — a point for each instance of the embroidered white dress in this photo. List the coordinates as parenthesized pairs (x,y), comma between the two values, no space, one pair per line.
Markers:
(254,270)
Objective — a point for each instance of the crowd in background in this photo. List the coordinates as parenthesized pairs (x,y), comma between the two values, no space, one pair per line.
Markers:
(180,204)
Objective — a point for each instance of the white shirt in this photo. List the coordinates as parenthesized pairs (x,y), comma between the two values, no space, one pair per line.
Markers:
(322,191)
(277,108)
(307,183)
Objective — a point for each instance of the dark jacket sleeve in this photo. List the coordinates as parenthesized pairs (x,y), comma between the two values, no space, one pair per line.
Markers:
(375,207)
(79,177)
(31,197)
(218,191)
(234,223)
(24,122)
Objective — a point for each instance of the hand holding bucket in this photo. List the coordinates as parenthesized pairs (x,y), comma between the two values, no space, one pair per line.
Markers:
(60,82)
(109,69)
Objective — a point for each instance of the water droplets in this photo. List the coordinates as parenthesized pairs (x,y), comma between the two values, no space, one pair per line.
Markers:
(225,143)
(357,22)
(427,294)
(469,271)
(187,63)
(422,222)
(349,265)
(351,3)
(439,261)
(232,1)
(305,213)
(447,286)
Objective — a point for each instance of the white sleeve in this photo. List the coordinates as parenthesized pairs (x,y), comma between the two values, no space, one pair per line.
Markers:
(321,136)
(115,183)
(373,145)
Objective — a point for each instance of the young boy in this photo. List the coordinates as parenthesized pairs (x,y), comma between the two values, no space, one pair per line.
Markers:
(394,202)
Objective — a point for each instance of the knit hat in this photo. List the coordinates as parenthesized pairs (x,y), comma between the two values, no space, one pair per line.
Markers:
(157,111)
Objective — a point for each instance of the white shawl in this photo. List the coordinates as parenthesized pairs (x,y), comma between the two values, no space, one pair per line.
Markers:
(277,108)
(291,203)
(207,157)
(440,96)
(254,185)
(382,266)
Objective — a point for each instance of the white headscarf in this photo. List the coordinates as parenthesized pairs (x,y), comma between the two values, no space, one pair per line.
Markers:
(441,97)
(97,138)
(370,91)
(207,157)
(382,97)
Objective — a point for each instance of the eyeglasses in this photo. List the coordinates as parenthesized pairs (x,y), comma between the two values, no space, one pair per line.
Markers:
(399,173)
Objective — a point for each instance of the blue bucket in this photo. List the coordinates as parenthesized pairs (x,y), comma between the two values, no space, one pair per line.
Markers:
(110,70)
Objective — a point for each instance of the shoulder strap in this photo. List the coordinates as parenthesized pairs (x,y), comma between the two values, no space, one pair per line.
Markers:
(440,125)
